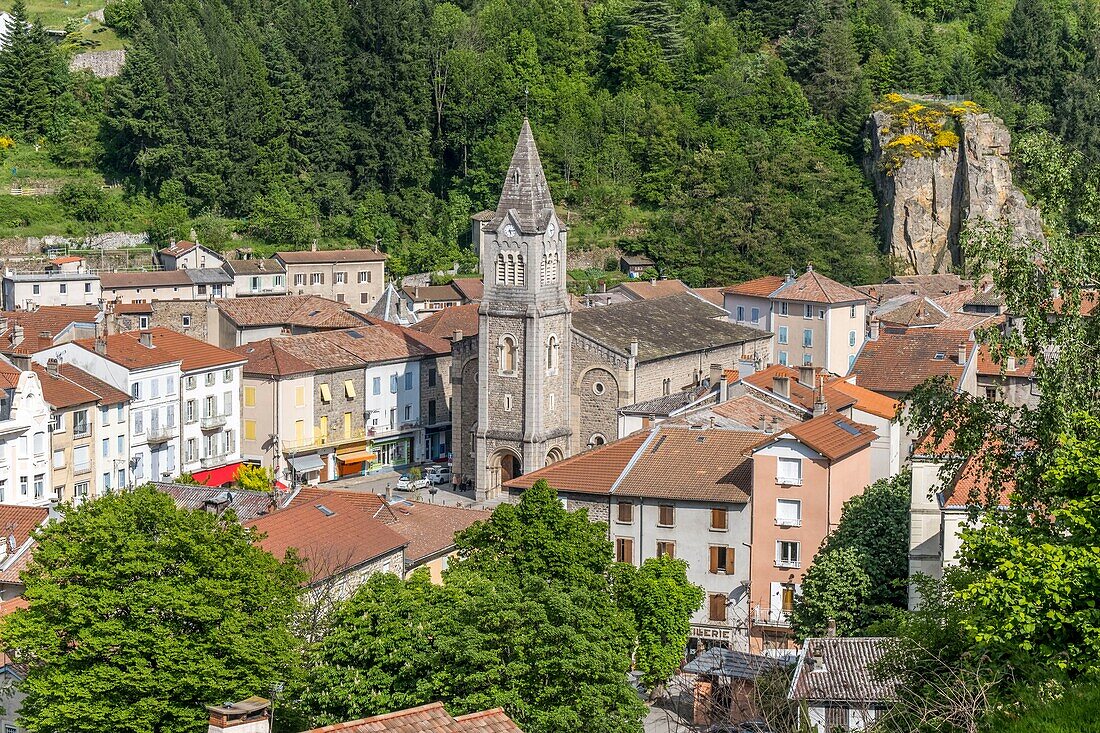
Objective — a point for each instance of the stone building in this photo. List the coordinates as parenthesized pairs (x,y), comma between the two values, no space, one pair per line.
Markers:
(538,382)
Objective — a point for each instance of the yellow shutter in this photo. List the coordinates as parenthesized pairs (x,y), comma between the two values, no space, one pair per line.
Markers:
(326,393)
(347,424)
(249,429)
(299,396)
(299,430)
(249,396)
(324,427)
(349,389)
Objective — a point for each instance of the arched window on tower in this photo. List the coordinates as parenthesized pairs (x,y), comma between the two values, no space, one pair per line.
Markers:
(509,269)
(501,269)
(507,354)
(551,353)
(549,269)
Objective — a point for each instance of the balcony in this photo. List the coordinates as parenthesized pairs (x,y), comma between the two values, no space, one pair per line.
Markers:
(82,468)
(788,522)
(214,461)
(793,564)
(788,480)
(318,440)
(160,435)
(213,422)
(776,617)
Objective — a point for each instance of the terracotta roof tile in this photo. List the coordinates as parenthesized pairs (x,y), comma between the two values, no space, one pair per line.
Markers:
(247,505)
(688,463)
(61,393)
(651,289)
(593,471)
(748,409)
(303,311)
(268,358)
(761,287)
(330,256)
(424,293)
(813,287)
(66,260)
(799,393)
(901,359)
(910,310)
(832,435)
(976,484)
(847,675)
(52,319)
(168,346)
(1022,366)
(18,522)
(334,534)
(108,395)
(867,400)
(489,721)
(430,718)
(711,295)
(430,528)
(443,324)
(180,248)
(144,279)
(471,288)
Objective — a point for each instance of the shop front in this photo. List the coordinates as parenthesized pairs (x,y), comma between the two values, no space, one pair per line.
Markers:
(307,469)
(354,460)
(393,452)
(439,443)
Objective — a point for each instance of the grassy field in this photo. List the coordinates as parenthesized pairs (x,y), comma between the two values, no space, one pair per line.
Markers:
(55,13)
(25,165)
(1077,712)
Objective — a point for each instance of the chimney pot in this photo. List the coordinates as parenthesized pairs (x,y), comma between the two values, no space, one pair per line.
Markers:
(782,386)
(830,628)
(806,375)
(962,354)
(53,368)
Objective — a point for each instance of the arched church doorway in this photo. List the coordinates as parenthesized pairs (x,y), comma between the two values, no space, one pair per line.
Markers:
(503,467)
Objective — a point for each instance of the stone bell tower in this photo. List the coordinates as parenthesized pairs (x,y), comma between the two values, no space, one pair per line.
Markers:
(523,336)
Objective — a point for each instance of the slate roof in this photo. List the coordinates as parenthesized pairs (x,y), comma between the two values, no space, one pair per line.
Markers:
(144,279)
(661,406)
(900,359)
(248,505)
(389,307)
(813,287)
(761,287)
(430,528)
(721,662)
(430,718)
(330,256)
(831,434)
(525,197)
(341,536)
(302,311)
(846,676)
(255,267)
(678,324)
(168,346)
(208,276)
(444,323)
(650,289)
(46,318)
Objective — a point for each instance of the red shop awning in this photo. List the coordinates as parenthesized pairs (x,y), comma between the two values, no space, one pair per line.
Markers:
(218,476)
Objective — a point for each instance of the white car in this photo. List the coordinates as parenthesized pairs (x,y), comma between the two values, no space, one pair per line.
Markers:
(408,483)
(438,474)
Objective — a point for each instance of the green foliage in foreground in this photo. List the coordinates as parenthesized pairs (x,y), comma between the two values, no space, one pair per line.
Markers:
(141,614)
(1077,710)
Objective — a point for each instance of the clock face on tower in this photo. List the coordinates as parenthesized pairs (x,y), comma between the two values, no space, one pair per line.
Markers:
(509,230)
(551,229)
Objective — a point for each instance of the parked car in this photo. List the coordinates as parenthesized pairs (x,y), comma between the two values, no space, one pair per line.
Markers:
(408,483)
(438,474)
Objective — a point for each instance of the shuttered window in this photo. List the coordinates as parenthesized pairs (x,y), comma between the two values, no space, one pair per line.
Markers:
(718,519)
(666,548)
(624,550)
(721,560)
(349,389)
(626,512)
(326,393)
(666,515)
(718,607)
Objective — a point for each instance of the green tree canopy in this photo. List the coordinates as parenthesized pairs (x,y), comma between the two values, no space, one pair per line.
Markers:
(140,614)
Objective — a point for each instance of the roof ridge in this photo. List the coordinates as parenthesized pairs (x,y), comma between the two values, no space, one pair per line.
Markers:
(637,456)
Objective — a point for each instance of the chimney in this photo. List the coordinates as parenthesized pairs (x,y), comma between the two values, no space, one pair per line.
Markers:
(416,291)
(101,346)
(456,336)
(874,330)
(247,716)
(603,286)
(16,335)
(809,267)
(145,338)
(652,281)
(962,354)
(313,246)
(194,235)
(715,375)
(782,386)
(53,368)
(806,375)
(262,266)
(763,423)
(634,348)
(1010,364)
(830,628)
(820,405)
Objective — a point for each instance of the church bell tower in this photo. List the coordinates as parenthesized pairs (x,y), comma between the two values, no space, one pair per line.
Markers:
(524,331)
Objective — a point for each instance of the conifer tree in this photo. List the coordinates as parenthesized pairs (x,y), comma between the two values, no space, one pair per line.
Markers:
(1028,53)
(29,75)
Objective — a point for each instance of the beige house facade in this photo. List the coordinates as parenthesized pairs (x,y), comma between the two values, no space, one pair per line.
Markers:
(355,277)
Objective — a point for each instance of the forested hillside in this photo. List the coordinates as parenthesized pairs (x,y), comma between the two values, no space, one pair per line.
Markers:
(723,139)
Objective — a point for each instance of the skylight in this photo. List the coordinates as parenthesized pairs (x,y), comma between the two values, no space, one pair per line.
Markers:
(940,356)
(850,429)
(355,334)
(325,510)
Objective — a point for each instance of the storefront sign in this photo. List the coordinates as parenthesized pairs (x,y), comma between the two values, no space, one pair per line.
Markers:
(714,633)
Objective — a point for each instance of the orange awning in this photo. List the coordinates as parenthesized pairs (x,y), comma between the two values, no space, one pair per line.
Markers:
(358,456)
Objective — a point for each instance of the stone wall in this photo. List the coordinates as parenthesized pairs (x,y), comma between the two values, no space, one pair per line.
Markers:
(597,257)
(441,392)
(340,404)
(170,314)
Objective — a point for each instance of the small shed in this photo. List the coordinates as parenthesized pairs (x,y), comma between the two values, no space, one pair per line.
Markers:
(635,265)
(725,685)
(836,683)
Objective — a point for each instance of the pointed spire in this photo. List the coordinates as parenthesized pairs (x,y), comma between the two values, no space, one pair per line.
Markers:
(525,197)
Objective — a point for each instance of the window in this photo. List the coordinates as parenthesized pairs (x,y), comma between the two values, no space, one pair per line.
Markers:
(717,610)
(189,411)
(852,311)
(279,281)
(408,381)
(551,353)
(377,385)
(143,322)
(23,485)
(120,444)
(550,266)
(121,477)
(788,512)
(719,518)
(39,485)
(598,388)
(254,283)
(347,424)
(782,334)
(408,413)
(249,396)
(326,394)
(118,412)
(154,388)
(186,321)
(210,406)
(626,512)
(107,480)
(755,315)
(787,591)
(808,359)
(664,547)
(135,390)
(81,489)
(807,338)
(39,443)
(787,554)
(227,376)
(349,389)
(249,427)
(510,266)
(507,354)
(788,471)
(364,277)
(721,560)
(104,416)
(340,278)
(821,313)
(550,402)
(57,422)
(624,549)
(190,382)
(80,423)
(431,376)
(300,279)
(851,361)
(808,312)
(740,313)
(227,405)
(59,459)
(87,287)
(106,447)
(431,412)
(64,288)
(507,403)
(299,396)
(666,515)
(36,289)
(393,384)
(851,338)
(783,308)
(316,278)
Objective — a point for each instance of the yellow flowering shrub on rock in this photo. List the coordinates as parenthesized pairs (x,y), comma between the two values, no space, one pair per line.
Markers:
(920,128)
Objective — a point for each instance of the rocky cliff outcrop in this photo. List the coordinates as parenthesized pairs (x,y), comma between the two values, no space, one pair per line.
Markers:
(938,165)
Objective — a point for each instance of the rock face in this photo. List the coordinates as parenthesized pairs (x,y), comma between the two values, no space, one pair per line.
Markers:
(927,198)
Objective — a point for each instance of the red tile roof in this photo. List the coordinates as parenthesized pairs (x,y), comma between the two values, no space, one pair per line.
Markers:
(590,472)
(688,463)
(813,287)
(652,289)
(430,718)
(333,535)
(711,295)
(66,260)
(866,400)
(443,324)
(1023,366)
(107,394)
(123,308)
(748,409)
(144,279)
(976,485)
(52,319)
(761,287)
(471,288)
(431,528)
(18,522)
(832,435)
(330,256)
(304,311)
(61,393)
(267,357)
(901,359)
(168,346)
(370,343)
(179,249)
(800,394)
